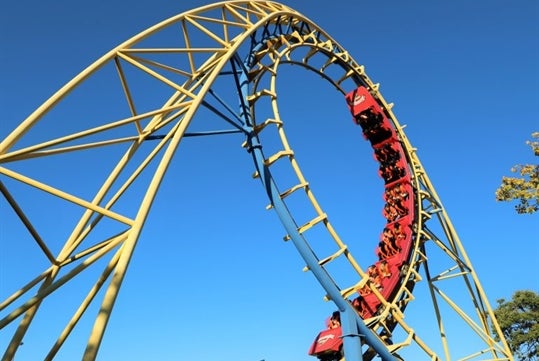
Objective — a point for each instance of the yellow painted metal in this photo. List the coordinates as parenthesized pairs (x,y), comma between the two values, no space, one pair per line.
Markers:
(236,21)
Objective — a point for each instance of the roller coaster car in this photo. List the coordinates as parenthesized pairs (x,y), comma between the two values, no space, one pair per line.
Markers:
(393,172)
(369,303)
(328,345)
(359,100)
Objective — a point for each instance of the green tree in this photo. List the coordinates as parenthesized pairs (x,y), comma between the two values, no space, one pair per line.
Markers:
(519,322)
(524,189)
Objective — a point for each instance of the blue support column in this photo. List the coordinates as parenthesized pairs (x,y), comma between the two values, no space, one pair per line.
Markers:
(352,338)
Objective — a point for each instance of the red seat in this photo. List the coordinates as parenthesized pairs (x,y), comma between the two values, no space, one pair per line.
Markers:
(359,100)
(327,343)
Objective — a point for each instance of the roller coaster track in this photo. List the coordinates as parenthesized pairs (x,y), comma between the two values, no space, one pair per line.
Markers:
(238,45)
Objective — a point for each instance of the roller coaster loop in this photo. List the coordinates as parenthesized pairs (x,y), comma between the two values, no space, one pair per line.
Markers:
(222,60)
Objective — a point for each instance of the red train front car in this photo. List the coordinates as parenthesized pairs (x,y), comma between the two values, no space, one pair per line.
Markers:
(328,345)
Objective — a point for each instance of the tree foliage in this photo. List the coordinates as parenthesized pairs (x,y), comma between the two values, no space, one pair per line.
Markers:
(524,189)
(519,322)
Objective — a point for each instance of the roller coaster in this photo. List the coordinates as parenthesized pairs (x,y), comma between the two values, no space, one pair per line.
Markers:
(222,60)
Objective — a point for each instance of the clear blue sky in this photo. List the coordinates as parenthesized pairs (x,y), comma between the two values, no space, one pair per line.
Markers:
(211,277)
